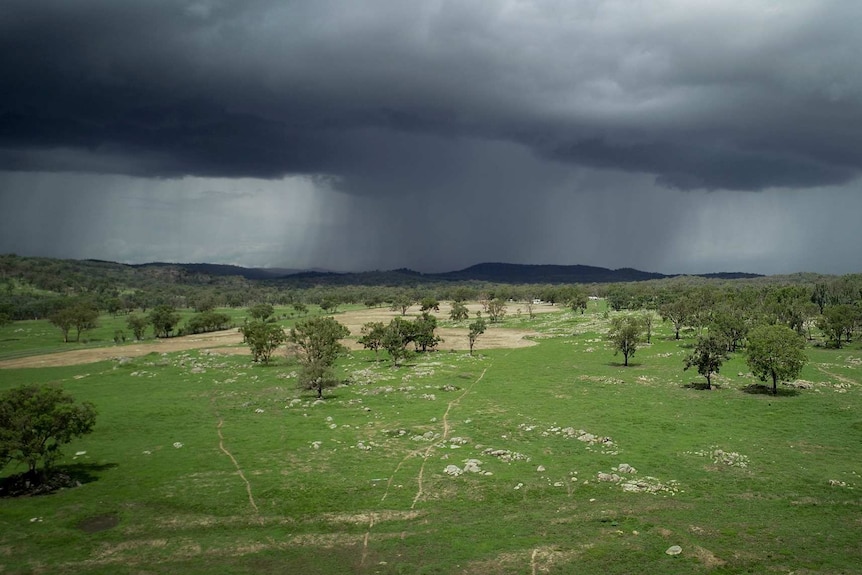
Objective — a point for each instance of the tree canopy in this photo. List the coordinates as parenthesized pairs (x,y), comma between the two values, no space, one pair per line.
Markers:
(317,341)
(709,354)
(775,352)
(625,335)
(35,421)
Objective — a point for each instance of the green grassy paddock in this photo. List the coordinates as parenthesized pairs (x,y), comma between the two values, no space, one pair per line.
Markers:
(356,483)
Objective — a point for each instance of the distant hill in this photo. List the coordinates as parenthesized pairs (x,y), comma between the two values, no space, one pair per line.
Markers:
(497,273)
(520,273)
(225,270)
(52,273)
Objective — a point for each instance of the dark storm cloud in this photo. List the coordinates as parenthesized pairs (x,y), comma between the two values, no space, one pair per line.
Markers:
(730,95)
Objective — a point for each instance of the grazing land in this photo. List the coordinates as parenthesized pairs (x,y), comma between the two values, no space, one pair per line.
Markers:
(547,458)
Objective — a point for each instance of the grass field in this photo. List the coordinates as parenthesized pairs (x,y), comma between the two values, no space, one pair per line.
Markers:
(205,463)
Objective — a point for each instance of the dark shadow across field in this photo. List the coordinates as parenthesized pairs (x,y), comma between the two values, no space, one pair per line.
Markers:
(761,389)
(60,477)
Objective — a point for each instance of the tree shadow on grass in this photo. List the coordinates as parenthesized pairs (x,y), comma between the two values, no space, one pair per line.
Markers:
(700,386)
(60,477)
(623,365)
(761,389)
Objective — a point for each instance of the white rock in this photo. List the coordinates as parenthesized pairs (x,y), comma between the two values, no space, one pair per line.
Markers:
(674,550)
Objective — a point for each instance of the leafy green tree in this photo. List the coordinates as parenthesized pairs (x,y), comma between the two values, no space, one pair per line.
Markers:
(837,322)
(35,421)
(678,312)
(625,335)
(476,328)
(399,333)
(577,299)
(708,355)
(206,302)
(138,324)
(63,318)
(329,304)
(820,295)
(114,305)
(164,318)
(372,336)
(300,308)
(261,311)
(85,319)
(318,345)
(401,303)
(80,316)
(776,352)
(373,300)
(5,319)
(459,311)
(429,304)
(424,337)
(262,338)
(731,323)
(787,305)
(207,321)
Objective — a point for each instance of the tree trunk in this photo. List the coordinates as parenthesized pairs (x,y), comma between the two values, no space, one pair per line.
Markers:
(774,384)
(708,381)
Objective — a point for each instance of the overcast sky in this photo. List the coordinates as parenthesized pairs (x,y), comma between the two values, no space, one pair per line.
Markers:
(679,136)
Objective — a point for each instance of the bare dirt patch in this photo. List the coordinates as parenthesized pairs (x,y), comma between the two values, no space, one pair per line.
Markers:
(219,339)
(453,337)
(230,341)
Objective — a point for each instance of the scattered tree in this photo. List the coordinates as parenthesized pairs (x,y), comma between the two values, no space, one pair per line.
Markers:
(138,324)
(646,321)
(35,421)
(80,316)
(776,352)
(731,323)
(261,311)
(300,308)
(708,355)
(263,338)
(459,311)
(625,335)
(677,312)
(164,318)
(496,310)
(429,304)
(577,300)
(424,337)
(837,322)
(318,346)
(372,336)
(399,333)
(207,321)
(204,303)
(401,303)
(477,328)
(63,319)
